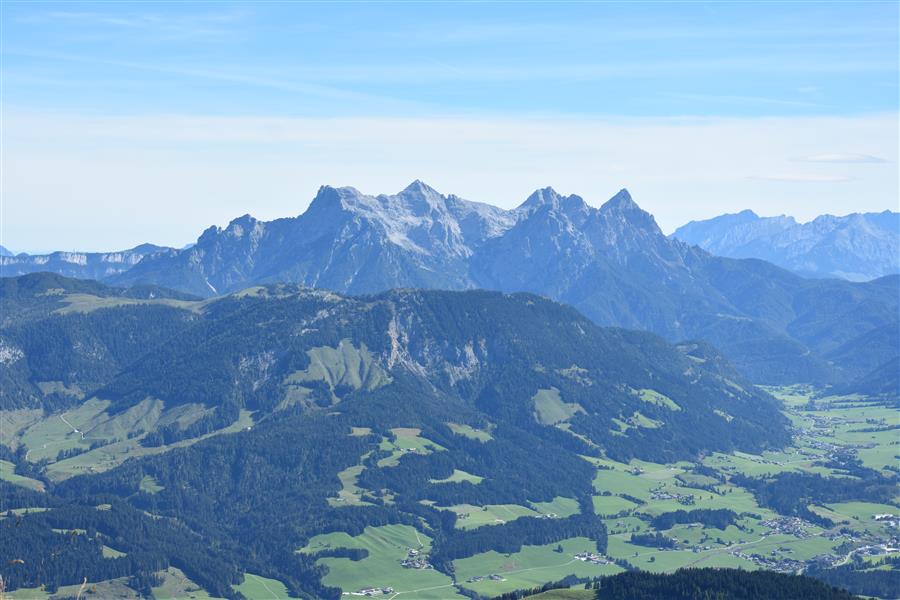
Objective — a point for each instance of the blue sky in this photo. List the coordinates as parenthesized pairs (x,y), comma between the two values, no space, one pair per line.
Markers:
(215,109)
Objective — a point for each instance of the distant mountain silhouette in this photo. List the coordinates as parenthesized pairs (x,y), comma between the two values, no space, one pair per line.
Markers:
(858,247)
(84,265)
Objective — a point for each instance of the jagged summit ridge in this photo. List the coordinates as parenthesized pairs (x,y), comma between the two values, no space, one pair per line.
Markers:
(858,246)
(356,242)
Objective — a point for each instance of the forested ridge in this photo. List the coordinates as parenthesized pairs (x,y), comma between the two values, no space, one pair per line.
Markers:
(715,584)
(328,381)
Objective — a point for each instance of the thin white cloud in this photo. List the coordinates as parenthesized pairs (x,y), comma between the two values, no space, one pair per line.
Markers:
(165,26)
(843,158)
(106,182)
(748,100)
(507,31)
(803,178)
(239,77)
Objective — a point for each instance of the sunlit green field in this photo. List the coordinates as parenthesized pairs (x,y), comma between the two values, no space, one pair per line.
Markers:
(470,516)
(406,440)
(257,587)
(561,507)
(530,567)
(387,546)
(7,473)
(177,586)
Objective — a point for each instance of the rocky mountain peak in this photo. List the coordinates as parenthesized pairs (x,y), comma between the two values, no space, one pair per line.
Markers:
(420,187)
(622,201)
(541,197)
(622,211)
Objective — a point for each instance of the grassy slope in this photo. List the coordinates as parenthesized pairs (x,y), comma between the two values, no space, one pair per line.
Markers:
(387,546)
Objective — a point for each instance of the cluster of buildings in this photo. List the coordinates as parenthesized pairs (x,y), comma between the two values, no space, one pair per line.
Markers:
(888,519)
(794,526)
(771,563)
(491,577)
(879,549)
(371,591)
(415,560)
(663,494)
(592,558)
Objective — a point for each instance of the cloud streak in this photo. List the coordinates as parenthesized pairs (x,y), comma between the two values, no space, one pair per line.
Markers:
(848,158)
(115,181)
(165,26)
(802,178)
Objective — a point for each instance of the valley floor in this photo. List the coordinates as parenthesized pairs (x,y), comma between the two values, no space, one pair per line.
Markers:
(629,497)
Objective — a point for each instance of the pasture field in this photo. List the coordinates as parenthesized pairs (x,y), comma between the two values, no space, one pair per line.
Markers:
(695,480)
(7,473)
(387,546)
(24,511)
(111,588)
(621,482)
(458,476)
(344,365)
(765,464)
(470,432)
(51,434)
(654,397)
(625,525)
(149,485)
(177,586)
(89,423)
(612,505)
(60,387)
(560,506)
(14,422)
(883,450)
(112,455)
(257,587)
(471,516)
(862,511)
(85,303)
(549,407)
(651,559)
(530,567)
(406,440)
(35,593)
(350,494)
(109,552)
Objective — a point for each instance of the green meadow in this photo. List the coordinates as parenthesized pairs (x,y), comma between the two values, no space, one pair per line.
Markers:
(530,567)
(256,587)
(387,546)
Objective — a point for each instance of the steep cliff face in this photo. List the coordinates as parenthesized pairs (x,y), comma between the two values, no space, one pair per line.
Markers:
(83,265)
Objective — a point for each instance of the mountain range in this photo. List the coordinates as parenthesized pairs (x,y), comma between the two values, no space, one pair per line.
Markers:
(857,247)
(612,263)
(84,265)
